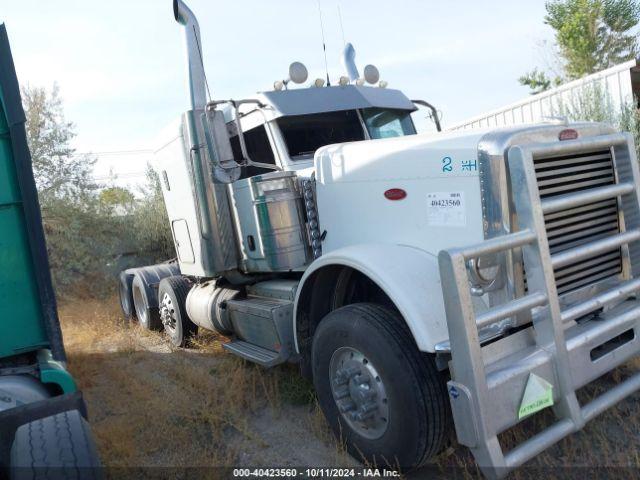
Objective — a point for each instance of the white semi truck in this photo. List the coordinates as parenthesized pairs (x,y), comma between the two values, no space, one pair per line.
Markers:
(466,279)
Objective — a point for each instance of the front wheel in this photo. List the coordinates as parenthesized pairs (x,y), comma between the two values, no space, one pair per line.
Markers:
(378,392)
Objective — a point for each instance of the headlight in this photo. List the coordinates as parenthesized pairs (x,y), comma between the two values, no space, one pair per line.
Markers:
(484,273)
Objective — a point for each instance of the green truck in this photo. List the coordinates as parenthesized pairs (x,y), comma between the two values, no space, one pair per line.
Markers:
(43,427)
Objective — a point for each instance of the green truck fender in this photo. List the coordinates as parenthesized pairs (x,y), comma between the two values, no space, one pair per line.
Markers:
(54,372)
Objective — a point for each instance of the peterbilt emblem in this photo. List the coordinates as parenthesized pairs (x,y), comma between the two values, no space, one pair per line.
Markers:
(568,134)
(395,194)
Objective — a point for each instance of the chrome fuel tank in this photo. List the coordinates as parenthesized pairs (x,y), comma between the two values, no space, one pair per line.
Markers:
(270,224)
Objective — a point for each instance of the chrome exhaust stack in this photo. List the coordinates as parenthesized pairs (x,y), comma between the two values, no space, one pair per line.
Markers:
(349,62)
(197,80)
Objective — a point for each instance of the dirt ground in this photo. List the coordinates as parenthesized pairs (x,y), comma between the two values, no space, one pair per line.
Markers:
(152,405)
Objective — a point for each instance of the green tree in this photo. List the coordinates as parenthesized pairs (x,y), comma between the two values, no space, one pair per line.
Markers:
(537,81)
(152,232)
(79,235)
(590,35)
(59,172)
(90,230)
(117,197)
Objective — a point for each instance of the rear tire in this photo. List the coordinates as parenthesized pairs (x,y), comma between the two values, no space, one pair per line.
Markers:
(126,295)
(378,392)
(147,315)
(172,295)
(59,446)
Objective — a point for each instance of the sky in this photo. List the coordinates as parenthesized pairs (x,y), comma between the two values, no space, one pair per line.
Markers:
(120,65)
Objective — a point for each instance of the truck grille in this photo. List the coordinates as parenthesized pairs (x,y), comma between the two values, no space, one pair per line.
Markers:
(577,226)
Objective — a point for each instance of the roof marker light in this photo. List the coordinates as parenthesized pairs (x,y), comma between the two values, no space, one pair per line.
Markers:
(360,82)
(344,81)
(278,85)
(383,84)
(318,82)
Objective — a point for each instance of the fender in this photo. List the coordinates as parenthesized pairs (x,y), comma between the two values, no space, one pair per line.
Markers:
(409,277)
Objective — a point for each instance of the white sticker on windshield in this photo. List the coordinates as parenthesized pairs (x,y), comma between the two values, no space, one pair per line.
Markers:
(446,209)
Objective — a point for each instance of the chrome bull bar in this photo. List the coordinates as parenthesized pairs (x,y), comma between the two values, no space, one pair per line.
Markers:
(488,383)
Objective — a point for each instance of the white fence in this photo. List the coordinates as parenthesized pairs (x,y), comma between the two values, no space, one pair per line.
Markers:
(619,83)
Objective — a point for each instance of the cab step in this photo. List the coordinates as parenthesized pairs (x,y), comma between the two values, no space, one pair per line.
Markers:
(254,353)
(263,328)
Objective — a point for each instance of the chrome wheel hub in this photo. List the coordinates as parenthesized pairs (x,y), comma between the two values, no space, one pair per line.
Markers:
(167,312)
(359,392)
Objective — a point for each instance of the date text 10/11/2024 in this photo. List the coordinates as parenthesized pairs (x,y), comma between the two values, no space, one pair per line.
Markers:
(320,472)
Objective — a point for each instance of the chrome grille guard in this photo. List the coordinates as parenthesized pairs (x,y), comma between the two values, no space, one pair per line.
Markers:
(488,383)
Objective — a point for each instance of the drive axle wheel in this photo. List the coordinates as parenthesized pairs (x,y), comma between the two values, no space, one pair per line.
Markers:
(172,294)
(168,312)
(146,312)
(379,393)
(125,291)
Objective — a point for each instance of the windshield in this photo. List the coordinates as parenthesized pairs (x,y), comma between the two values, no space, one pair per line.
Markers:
(386,123)
(304,134)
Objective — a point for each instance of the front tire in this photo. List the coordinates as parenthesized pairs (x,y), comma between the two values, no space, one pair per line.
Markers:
(59,446)
(378,392)
(172,295)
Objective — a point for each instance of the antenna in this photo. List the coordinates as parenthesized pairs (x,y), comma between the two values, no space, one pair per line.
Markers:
(324,45)
(344,42)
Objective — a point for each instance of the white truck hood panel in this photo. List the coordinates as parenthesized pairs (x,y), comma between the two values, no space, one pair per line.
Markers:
(439,174)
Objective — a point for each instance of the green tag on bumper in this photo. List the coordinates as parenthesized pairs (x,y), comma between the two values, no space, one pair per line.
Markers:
(538,395)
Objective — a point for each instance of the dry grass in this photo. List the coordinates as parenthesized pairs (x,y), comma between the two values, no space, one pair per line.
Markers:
(153,405)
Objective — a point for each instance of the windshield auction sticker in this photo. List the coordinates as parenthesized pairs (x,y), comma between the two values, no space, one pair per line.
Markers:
(446,209)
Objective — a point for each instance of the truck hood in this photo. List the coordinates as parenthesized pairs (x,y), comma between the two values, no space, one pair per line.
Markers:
(421,191)
(413,156)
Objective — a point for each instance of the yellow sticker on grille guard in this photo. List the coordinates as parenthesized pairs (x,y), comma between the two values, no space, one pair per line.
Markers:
(538,395)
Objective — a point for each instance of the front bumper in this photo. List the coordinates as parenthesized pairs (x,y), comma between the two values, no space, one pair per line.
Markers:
(594,348)
(561,351)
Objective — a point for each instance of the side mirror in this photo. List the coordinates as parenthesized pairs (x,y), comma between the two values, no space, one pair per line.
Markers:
(223,166)
(434,112)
